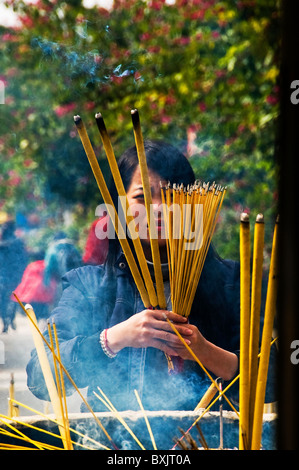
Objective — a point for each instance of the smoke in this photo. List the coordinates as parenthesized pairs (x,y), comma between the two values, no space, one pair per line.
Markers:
(87,68)
(71,62)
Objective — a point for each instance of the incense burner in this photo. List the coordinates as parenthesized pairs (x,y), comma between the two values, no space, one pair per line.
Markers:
(167,427)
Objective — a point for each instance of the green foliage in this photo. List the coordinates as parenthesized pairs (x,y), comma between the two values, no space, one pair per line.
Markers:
(202,73)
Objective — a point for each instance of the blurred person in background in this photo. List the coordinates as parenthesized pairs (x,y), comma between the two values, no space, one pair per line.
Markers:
(61,257)
(41,281)
(96,250)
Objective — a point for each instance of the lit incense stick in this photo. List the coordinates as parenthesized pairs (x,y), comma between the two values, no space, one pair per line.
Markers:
(270,310)
(47,373)
(244,330)
(256,295)
(149,209)
(112,408)
(146,420)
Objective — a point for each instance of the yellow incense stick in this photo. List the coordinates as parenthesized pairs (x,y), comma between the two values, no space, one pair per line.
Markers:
(11,409)
(112,408)
(66,443)
(149,209)
(54,421)
(146,420)
(37,445)
(165,206)
(62,391)
(256,295)
(47,373)
(13,447)
(45,431)
(270,310)
(207,397)
(244,329)
(180,246)
(111,210)
(20,433)
(126,209)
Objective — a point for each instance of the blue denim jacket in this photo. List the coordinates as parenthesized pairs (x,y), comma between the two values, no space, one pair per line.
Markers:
(97,297)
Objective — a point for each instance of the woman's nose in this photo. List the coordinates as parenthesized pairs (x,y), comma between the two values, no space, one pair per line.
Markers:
(156,204)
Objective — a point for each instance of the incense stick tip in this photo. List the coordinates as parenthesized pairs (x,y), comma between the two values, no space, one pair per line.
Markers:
(77,119)
(135,116)
(100,122)
(259,219)
(244,217)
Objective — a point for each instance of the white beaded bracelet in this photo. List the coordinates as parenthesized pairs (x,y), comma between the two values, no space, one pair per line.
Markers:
(105,347)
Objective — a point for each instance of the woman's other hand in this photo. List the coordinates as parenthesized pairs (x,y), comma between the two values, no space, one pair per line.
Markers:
(149,329)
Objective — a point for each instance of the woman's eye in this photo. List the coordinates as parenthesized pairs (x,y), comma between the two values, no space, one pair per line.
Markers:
(139,196)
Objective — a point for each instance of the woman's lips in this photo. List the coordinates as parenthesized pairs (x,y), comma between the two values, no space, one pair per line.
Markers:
(159,224)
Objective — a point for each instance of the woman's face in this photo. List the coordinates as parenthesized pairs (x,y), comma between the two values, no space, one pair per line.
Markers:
(135,195)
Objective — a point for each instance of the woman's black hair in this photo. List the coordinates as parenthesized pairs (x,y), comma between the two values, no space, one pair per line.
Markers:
(162,158)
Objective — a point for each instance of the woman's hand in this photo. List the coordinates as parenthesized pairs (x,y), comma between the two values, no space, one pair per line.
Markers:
(196,342)
(221,362)
(150,329)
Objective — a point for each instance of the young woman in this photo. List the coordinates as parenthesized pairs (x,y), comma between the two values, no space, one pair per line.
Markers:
(108,339)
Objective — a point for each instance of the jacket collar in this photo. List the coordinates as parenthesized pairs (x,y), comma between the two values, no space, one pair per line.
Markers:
(121,265)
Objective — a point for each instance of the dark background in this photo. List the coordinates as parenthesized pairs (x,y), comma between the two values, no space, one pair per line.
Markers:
(288,436)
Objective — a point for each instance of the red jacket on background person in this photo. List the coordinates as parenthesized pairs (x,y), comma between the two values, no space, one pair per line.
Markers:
(32,288)
(96,250)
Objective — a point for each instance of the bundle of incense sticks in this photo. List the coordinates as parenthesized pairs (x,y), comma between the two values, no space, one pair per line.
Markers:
(195,211)
(190,216)
(253,374)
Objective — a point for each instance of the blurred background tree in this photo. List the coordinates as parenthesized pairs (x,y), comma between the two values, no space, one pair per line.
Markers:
(203,74)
